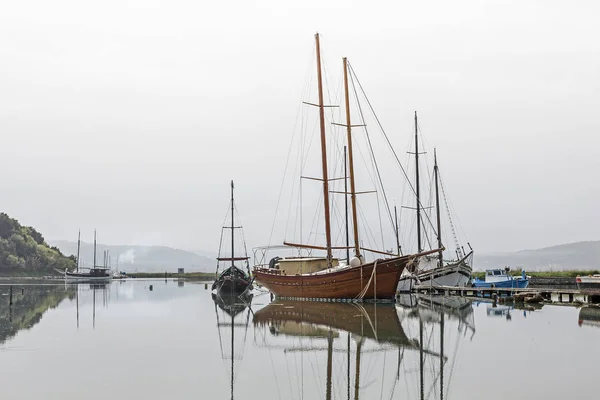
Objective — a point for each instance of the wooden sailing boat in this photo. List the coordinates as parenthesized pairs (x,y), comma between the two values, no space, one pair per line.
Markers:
(95,273)
(233,280)
(318,277)
(431,270)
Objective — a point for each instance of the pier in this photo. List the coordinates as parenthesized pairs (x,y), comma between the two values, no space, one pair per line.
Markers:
(548,295)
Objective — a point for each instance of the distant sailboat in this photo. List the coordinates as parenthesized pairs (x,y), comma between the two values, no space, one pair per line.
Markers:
(95,273)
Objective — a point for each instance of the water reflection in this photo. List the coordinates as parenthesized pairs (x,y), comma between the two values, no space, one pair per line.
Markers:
(589,316)
(436,319)
(507,312)
(370,359)
(26,305)
(233,312)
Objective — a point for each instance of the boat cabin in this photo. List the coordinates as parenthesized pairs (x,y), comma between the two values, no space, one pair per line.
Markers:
(303,265)
(98,272)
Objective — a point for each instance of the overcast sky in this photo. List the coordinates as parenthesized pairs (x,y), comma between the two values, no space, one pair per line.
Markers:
(133,116)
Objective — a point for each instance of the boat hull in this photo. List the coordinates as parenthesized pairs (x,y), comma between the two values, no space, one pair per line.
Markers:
(455,274)
(375,280)
(232,281)
(508,284)
(86,277)
(588,282)
(231,286)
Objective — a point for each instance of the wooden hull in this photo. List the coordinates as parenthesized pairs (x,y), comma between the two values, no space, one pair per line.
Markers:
(232,281)
(375,280)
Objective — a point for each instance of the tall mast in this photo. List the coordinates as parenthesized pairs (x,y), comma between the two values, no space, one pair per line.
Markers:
(419,249)
(421,361)
(397,232)
(78,247)
(351,162)
(232,333)
(329,364)
(94,266)
(442,356)
(346,205)
(232,228)
(324,154)
(437,208)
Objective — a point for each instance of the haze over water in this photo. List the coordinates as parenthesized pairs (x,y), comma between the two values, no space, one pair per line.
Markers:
(123,340)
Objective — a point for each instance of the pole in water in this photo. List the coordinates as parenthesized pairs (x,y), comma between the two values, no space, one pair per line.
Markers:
(10,300)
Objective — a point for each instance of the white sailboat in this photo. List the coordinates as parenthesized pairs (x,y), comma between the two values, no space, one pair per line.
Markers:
(433,269)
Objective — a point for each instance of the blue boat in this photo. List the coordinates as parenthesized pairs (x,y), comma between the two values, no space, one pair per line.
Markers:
(500,278)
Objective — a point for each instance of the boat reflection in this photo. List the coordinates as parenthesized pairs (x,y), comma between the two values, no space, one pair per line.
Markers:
(508,311)
(440,321)
(589,316)
(314,329)
(232,312)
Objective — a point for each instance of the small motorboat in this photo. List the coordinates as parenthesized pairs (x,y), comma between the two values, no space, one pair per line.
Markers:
(500,278)
(588,282)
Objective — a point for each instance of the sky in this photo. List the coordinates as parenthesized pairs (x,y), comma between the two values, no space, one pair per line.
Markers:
(131,117)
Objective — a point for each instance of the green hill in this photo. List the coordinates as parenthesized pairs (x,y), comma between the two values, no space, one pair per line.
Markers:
(24,252)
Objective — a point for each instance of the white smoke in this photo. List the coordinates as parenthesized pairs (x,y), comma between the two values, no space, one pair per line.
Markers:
(128,257)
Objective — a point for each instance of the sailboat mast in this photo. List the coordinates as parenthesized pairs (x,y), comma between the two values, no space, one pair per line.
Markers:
(442,356)
(346,205)
(232,335)
(351,161)
(421,361)
(437,207)
(419,249)
(329,364)
(78,247)
(397,232)
(324,154)
(357,373)
(94,266)
(232,228)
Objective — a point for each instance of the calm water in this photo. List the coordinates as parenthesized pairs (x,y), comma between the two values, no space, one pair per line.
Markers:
(122,341)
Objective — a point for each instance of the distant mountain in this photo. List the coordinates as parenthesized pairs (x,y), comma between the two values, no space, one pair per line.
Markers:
(571,256)
(139,258)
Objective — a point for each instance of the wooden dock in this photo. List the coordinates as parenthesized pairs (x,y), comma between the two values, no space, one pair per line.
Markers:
(549,295)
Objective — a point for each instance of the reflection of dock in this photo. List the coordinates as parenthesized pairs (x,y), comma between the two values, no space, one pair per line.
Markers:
(550,295)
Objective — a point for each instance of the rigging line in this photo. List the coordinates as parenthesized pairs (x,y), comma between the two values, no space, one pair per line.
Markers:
(380,222)
(385,135)
(453,210)
(307,77)
(352,76)
(458,249)
(383,374)
(369,233)
(287,159)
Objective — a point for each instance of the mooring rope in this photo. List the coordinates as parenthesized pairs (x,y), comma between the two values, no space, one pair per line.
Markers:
(364,291)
